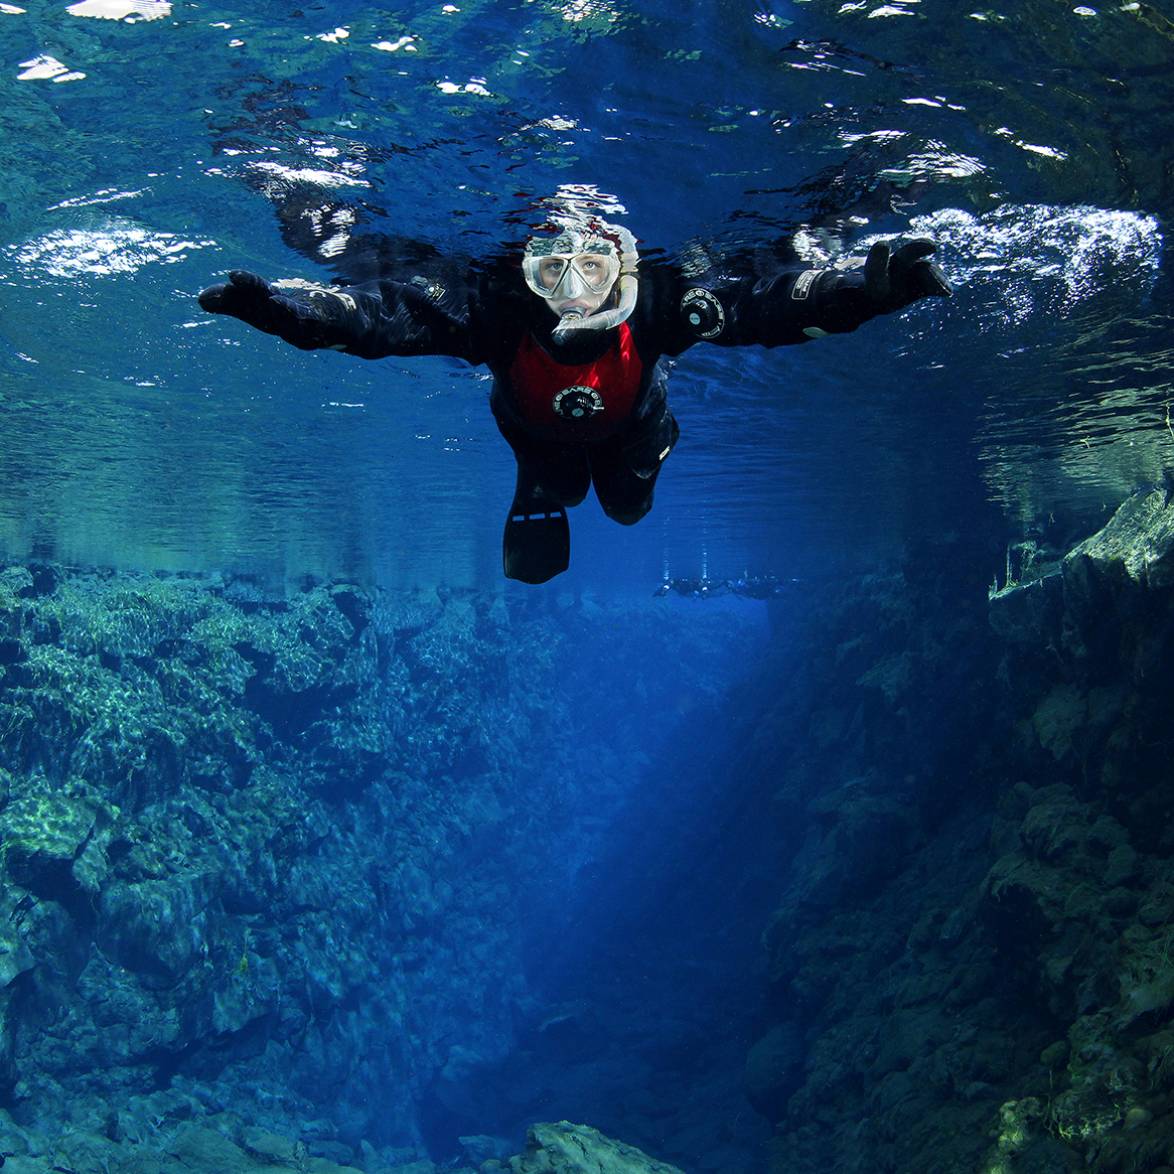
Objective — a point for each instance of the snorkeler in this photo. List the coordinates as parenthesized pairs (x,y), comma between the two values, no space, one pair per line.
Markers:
(702,588)
(746,585)
(574,335)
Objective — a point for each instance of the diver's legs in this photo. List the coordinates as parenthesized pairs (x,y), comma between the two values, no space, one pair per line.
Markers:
(624,496)
(625,468)
(536,544)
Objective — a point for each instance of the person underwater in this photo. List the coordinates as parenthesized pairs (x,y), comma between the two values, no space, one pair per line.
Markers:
(575,337)
(746,585)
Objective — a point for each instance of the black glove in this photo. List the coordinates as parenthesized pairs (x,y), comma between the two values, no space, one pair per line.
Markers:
(252,299)
(892,280)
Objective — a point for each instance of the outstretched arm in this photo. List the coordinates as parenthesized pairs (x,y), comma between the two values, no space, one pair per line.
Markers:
(372,321)
(800,304)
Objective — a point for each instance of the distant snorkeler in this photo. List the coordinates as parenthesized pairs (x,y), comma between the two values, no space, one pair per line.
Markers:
(575,332)
(747,586)
(700,588)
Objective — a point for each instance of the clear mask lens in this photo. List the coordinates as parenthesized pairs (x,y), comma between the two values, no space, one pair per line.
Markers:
(559,275)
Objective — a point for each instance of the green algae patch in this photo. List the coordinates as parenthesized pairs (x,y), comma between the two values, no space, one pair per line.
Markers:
(52,838)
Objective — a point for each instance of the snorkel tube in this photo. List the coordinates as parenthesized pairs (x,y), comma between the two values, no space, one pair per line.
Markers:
(575,321)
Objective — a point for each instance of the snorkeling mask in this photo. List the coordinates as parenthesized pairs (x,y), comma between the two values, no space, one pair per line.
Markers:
(571,275)
(580,263)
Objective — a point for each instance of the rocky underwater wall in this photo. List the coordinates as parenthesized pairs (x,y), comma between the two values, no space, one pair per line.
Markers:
(263,863)
(267,865)
(972,957)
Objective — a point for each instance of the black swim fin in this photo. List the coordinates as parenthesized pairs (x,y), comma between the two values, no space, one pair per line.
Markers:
(536,545)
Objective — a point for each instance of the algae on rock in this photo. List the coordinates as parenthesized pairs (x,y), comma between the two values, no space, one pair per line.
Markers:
(564,1148)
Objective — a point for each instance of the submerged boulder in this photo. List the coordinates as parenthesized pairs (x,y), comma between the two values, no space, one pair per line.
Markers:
(54,838)
(1137,544)
(563,1148)
(1113,575)
(191,1149)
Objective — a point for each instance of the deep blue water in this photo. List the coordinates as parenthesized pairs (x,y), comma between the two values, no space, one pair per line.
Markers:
(145,156)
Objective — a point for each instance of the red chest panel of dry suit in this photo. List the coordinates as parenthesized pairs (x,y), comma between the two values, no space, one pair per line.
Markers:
(577,402)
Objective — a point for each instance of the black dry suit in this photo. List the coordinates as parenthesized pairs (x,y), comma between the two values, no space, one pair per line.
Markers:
(592,408)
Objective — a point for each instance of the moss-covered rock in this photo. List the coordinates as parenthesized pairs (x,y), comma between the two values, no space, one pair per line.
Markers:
(1137,545)
(222,1146)
(996,994)
(53,838)
(235,835)
(564,1148)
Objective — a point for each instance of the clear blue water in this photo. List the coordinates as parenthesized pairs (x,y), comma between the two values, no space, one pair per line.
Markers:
(138,154)
(146,147)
